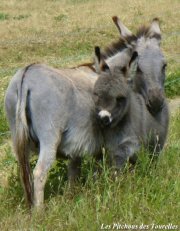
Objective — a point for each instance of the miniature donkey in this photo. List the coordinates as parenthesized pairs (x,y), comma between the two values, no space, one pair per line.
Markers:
(122,113)
(51,111)
(149,76)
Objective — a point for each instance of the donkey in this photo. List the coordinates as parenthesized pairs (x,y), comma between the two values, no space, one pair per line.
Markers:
(150,75)
(51,111)
(123,115)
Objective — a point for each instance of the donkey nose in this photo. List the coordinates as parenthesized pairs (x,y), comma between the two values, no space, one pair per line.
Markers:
(105,121)
(156,98)
(104,117)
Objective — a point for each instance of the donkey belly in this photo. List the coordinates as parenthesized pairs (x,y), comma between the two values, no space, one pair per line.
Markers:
(80,140)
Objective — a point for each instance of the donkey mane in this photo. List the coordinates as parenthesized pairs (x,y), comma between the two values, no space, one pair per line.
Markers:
(121,44)
(143,31)
(117,46)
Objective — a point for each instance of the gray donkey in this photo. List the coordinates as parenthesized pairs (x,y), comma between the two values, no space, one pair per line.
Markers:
(149,77)
(123,115)
(51,111)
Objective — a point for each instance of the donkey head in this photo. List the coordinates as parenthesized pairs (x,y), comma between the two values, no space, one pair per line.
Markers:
(150,75)
(111,92)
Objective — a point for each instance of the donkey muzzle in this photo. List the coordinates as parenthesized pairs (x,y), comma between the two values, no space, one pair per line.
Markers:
(155,99)
(105,118)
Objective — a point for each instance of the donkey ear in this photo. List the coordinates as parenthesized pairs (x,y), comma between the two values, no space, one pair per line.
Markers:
(154,29)
(124,31)
(100,64)
(133,64)
(97,53)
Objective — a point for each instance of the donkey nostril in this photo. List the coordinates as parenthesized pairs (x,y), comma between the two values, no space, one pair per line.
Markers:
(105,120)
(156,104)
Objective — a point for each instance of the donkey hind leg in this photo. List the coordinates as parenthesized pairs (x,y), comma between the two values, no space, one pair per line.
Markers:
(46,158)
(74,169)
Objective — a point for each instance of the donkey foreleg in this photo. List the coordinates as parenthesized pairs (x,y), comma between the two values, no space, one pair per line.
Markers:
(126,150)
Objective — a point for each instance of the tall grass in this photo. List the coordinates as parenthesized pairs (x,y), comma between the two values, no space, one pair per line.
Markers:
(148,194)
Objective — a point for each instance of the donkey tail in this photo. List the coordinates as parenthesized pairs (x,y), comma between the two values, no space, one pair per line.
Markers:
(22,140)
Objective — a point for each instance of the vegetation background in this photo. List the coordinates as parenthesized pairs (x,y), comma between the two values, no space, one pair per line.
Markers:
(64,33)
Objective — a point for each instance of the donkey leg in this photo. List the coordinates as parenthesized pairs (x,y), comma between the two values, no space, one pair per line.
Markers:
(119,160)
(125,151)
(74,169)
(46,158)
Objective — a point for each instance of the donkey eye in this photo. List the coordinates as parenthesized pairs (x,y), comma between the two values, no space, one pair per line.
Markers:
(164,67)
(120,100)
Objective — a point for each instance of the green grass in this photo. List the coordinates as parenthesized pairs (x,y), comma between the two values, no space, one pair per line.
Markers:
(3,16)
(149,194)
(60,17)
(172,84)
(21,16)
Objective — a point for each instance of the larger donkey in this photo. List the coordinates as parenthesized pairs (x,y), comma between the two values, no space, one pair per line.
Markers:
(126,122)
(53,111)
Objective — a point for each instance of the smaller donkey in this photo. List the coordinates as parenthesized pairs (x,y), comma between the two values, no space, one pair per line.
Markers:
(122,113)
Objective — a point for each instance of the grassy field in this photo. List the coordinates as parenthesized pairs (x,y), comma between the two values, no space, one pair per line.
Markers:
(63,33)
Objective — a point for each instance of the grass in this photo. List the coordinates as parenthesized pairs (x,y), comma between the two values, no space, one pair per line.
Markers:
(172,84)
(64,33)
(60,17)
(3,16)
(21,16)
(149,194)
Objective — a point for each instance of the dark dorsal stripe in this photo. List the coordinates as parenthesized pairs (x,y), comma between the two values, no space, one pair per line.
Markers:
(114,48)
(23,76)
